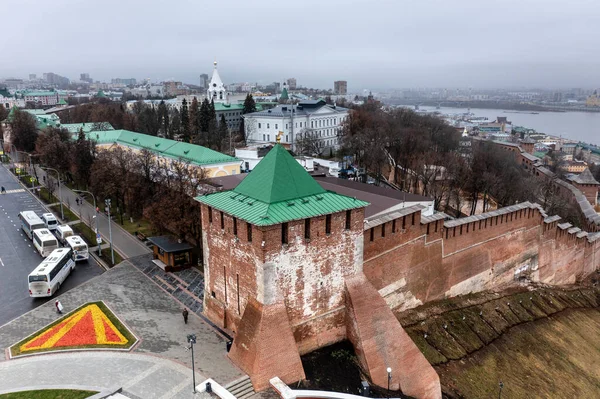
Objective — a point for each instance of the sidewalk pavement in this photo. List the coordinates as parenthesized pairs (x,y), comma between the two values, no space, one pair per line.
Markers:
(140,376)
(150,313)
(125,243)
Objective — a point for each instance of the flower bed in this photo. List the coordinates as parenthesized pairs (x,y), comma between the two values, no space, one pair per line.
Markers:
(91,326)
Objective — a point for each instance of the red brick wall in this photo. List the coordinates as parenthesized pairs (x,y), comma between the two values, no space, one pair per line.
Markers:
(230,264)
(412,268)
(311,272)
(589,190)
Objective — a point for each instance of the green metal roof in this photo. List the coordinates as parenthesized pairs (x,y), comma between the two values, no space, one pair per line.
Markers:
(284,94)
(86,127)
(228,107)
(193,153)
(196,153)
(39,93)
(278,177)
(279,190)
(233,107)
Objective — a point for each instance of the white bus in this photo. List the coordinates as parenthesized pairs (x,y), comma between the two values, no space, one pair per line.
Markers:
(62,232)
(79,248)
(29,222)
(50,221)
(44,241)
(47,278)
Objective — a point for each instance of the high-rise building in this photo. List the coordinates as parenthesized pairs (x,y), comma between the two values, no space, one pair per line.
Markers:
(32,76)
(340,87)
(291,82)
(85,77)
(204,81)
(55,79)
(121,81)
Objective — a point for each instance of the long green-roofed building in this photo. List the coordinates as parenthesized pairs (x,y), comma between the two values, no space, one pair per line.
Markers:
(213,162)
(279,190)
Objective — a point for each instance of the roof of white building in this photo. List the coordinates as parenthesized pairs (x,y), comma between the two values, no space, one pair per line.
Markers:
(303,108)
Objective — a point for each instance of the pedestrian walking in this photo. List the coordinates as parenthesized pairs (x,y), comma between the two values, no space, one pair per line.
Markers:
(77,201)
(3,190)
(59,307)
(185,315)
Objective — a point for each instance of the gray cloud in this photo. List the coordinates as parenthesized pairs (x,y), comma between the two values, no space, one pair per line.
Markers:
(370,43)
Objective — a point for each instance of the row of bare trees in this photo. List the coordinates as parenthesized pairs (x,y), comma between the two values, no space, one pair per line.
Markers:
(142,184)
(138,182)
(420,154)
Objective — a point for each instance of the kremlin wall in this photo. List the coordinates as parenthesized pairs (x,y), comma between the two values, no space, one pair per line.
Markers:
(289,275)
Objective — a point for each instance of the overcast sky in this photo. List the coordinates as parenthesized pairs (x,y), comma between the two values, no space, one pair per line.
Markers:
(371,43)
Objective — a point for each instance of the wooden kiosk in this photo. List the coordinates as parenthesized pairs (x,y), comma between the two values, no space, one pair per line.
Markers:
(171,254)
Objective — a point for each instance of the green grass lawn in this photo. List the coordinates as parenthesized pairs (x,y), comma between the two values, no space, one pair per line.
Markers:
(90,237)
(142,225)
(49,394)
(46,197)
(69,216)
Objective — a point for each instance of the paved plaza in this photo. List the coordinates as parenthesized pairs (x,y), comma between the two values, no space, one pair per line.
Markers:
(160,363)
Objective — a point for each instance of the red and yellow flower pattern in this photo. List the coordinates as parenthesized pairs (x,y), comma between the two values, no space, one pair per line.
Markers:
(87,327)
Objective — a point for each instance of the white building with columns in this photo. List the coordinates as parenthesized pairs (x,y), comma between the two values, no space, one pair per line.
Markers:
(312,120)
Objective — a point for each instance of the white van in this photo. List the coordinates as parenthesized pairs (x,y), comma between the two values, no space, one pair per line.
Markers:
(79,248)
(47,278)
(44,242)
(62,232)
(50,221)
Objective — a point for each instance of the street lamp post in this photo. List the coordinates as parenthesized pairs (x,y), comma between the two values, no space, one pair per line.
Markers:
(95,216)
(192,340)
(62,213)
(389,372)
(112,252)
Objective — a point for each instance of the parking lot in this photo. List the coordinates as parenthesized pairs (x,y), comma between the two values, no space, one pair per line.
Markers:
(18,256)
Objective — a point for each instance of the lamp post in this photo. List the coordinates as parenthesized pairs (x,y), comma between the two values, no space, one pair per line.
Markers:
(95,216)
(389,372)
(112,252)
(30,168)
(62,213)
(501,385)
(192,340)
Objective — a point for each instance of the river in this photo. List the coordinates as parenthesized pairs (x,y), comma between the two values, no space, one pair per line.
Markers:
(581,126)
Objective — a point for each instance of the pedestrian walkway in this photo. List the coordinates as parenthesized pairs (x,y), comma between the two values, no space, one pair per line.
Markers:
(187,286)
(140,376)
(14,191)
(148,311)
(126,244)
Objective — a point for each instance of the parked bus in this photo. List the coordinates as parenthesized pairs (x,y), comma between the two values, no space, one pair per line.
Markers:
(29,222)
(47,278)
(79,248)
(44,241)
(50,221)
(62,232)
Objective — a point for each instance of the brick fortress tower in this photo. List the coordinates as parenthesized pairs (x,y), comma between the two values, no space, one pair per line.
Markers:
(283,263)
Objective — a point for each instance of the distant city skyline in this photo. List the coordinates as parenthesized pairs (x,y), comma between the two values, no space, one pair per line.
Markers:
(382,44)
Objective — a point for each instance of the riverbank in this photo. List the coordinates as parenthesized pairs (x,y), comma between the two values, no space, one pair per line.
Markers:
(506,105)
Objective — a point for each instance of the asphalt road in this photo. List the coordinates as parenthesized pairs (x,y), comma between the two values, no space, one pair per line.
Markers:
(18,256)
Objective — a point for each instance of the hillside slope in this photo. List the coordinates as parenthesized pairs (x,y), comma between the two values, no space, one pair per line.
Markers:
(539,343)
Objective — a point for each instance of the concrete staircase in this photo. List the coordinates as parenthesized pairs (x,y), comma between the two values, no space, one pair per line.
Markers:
(241,388)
